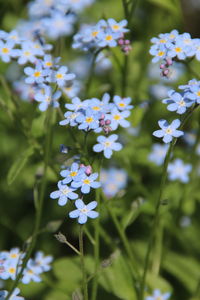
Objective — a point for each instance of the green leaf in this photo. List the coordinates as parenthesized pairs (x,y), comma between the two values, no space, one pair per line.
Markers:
(19,164)
(186,270)
(117,278)
(38,128)
(166,4)
(68,273)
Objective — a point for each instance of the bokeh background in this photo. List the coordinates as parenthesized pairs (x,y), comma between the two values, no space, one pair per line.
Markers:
(180,272)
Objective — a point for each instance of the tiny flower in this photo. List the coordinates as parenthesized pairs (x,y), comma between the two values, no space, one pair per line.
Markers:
(178,102)
(179,171)
(158,153)
(47,98)
(35,75)
(63,194)
(88,120)
(72,173)
(43,261)
(122,103)
(83,212)
(118,118)
(118,27)
(86,182)
(6,51)
(61,77)
(168,131)
(31,272)
(158,296)
(70,118)
(107,145)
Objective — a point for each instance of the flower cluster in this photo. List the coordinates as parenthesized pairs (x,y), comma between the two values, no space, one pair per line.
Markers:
(113,180)
(103,34)
(169,46)
(100,116)
(78,176)
(11,262)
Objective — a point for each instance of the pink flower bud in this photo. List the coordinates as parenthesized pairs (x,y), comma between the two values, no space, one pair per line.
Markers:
(121,42)
(169,61)
(107,122)
(88,170)
(165,72)
(82,165)
(102,123)
(102,117)
(162,66)
(127,42)
(107,129)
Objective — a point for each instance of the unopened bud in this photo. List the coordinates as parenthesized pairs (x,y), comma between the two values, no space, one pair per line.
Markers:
(88,170)
(121,42)
(169,61)
(102,117)
(107,122)
(165,72)
(107,129)
(162,66)
(102,123)
(127,42)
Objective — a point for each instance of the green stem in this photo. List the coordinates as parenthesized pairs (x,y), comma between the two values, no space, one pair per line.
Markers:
(125,242)
(158,205)
(97,244)
(90,77)
(40,205)
(84,275)
(125,75)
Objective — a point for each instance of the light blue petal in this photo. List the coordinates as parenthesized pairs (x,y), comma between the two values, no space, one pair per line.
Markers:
(98,148)
(74,214)
(82,219)
(92,214)
(55,195)
(92,205)
(79,204)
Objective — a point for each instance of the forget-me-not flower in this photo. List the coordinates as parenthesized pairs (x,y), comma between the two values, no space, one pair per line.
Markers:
(61,76)
(86,182)
(35,75)
(107,145)
(178,102)
(168,131)
(14,296)
(158,153)
(47,98)
(177,170)
(71,174)
(83,212)
(63,194)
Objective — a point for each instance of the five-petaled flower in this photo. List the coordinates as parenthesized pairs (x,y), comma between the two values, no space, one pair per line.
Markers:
(83,212)
(107,145)
(168,131)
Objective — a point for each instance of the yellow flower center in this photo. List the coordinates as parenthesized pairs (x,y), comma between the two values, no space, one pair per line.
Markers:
(14,255)
(162,41)
(94,33)
(12,270)
(96,108)
(109,38)
(115,27)
(178,49)
(37,74)
(48,63)
(5,50)
(59,76)
(161,53)
(86,181)
(89,119)
(72,174)
(27,53)
(198,93)
(117,117)
(121,104)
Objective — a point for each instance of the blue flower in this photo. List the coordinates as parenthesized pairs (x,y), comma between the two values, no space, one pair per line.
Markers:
(118,26)
(26,54)
(71,174)
(179,171)
(6,51)
(158,53)
(178,102)
(70,118)
(47,98)
(14,296)
(76,104)
(158,296)
(31,272)
(113,180)
(107,145)
(168,131)
(118,118)
(83,212)
(122,103)
(43,261)
(158,153)
(63,194)
(61,77)
(86,182)
(88,120)
(108,39)
(35,75)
